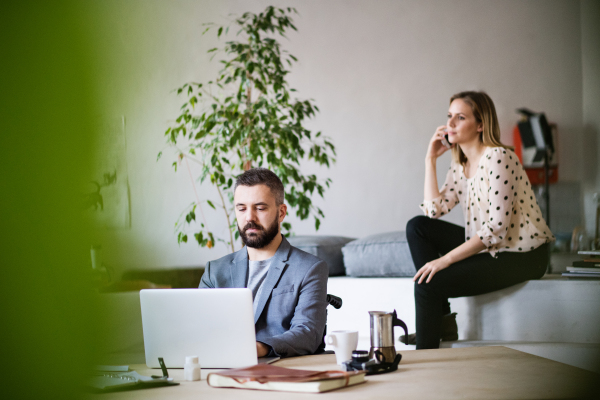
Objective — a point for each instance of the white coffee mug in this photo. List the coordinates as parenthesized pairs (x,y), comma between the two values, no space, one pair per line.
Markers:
(343,343)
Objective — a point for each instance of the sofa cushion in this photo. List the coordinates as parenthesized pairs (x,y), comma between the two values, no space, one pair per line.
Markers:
(384,254)
(327,248)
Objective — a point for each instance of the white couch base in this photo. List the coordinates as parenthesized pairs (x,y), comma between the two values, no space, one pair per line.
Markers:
(553,317)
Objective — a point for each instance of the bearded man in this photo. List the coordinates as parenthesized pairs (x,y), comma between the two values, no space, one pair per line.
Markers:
(289,286)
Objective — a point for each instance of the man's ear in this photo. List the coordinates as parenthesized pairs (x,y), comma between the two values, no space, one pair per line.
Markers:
(282,212)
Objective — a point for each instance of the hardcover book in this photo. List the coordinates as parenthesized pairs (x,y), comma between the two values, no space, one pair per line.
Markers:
(590,270)
(587,264)
(580,275)
(270,377)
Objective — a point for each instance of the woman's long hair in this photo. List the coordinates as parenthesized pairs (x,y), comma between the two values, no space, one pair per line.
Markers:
(485,113)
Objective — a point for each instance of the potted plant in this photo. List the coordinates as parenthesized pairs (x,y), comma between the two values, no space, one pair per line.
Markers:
(246,117)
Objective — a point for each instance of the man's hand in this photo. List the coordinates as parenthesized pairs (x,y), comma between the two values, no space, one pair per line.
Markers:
(262,349)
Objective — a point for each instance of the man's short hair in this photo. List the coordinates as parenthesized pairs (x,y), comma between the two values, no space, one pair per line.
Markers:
(262,176)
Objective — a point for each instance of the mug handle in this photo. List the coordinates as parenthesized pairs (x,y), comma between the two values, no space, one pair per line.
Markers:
(330,339)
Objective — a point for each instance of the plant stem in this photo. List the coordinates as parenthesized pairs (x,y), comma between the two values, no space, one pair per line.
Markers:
(248,163)
(195,191)
(228,222)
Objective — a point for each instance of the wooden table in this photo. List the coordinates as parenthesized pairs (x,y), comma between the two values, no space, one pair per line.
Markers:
(494,372)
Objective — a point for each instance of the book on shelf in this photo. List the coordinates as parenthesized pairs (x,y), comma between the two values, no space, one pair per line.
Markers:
(271,377)
(590,270)
(581,275)
(590,253)
(587,264)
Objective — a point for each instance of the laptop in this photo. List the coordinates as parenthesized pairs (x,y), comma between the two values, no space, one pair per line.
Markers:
(217,325)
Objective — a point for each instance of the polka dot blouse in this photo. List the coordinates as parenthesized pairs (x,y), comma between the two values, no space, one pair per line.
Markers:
(498,203)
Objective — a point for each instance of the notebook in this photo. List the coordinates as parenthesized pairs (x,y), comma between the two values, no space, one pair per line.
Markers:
(268,377)
(217,325)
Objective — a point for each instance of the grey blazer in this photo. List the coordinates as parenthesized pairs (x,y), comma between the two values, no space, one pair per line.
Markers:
(290,313)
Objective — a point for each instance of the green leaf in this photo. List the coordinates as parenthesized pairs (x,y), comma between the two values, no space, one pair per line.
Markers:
(220,31)
(211,204)
(159,155)
(191,216)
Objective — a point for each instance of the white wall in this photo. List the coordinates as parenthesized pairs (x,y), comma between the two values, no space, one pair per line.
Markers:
(381,73)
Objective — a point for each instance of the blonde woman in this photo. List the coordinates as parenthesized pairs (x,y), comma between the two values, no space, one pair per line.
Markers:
(505,238)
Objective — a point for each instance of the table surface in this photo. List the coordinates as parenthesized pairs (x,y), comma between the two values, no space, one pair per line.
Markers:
(494,372)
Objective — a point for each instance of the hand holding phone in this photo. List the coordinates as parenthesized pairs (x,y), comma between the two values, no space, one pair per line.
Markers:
(445,141)
(438,144)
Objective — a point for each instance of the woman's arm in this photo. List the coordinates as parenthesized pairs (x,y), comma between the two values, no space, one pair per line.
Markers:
(437,202)
(434,150)
(431,184)
(465,250)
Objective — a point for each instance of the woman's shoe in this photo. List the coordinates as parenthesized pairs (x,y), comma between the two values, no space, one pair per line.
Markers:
(449,330)
(412,338)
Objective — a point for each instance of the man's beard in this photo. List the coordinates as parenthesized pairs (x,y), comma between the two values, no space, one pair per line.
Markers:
(262,238)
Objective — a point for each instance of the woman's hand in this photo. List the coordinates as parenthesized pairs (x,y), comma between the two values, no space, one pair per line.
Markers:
(428,270)
(436,148)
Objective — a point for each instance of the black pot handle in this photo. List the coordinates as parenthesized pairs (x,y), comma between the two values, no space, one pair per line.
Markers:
(398,322)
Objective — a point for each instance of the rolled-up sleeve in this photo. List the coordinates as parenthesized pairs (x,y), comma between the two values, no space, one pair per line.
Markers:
(502,183)
(447,199)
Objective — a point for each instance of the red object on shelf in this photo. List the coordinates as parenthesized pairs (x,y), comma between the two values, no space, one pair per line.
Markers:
(536,175)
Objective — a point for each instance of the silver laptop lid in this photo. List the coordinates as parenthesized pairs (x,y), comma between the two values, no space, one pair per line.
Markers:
(217,325)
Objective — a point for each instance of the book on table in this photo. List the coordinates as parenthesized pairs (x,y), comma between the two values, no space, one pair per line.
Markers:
(271,377)
(581,275)
(593,253)
(589,270)
(591,263)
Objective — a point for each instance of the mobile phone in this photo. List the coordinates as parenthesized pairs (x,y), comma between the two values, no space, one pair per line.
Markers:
(445,142)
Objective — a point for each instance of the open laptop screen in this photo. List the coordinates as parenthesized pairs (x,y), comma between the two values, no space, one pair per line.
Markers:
(217,325)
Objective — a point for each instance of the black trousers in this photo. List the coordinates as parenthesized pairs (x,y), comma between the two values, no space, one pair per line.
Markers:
(429,239)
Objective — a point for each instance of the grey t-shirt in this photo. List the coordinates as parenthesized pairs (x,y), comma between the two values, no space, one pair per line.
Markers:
(257,272)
